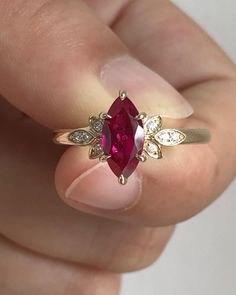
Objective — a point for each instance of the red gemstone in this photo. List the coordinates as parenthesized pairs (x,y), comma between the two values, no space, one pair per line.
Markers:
(123,137)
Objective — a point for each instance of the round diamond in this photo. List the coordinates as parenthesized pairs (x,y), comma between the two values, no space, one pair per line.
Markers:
(95,150)
(98,148)
(152,148)
(81,137)
(175,136)
(153,125)
(169,137)
(97,125)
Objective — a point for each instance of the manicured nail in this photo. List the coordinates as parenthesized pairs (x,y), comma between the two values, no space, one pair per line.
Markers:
(96,188)
(145,87)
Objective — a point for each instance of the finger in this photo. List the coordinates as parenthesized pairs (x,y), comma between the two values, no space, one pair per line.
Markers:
(170,43)
(34,217)
(206,78)
(24,272)
(107,10)
(197,174)
(53,44)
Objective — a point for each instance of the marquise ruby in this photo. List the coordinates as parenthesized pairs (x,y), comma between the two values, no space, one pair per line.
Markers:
(123,137)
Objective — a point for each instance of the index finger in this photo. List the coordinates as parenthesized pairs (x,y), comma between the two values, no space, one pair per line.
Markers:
(190,177)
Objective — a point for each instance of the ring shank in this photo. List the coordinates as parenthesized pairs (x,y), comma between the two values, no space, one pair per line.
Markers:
(196,136)
(192,136)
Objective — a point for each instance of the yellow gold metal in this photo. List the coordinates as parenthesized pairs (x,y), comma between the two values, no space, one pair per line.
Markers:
(95,149)
(104,116)
(155,137)
(142,158)
(141,116)
(104,158)
(192,136)
(196,136)
(152,149)
(64,136)
(122,180)
(169,137)
(123,94)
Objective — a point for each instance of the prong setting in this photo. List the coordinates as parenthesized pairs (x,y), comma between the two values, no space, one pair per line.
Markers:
(104,116)
(104,158)
(122,180)
(142,158)
(123,137)
(141,116)
(123,94)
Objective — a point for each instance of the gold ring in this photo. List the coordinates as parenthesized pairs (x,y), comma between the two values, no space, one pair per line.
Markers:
(123,137)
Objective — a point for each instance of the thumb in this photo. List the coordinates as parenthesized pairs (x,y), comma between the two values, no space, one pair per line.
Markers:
(52,54)
(60,64)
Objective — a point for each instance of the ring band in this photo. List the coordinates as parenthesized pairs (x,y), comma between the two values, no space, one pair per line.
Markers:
(192,136)
(123,137)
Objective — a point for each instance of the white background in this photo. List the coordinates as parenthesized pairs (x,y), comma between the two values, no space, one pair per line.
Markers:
(201,258)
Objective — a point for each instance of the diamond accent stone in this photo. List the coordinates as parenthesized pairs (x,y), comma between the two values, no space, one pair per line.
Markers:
(170,137)
(153,125)
(82,137)
(96,150)
(152,149)
(98,147)
(96,124)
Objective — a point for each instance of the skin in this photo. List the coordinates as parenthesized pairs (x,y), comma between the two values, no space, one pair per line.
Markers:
(67,251)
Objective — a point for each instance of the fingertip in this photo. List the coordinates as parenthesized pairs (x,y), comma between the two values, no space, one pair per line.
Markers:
(91,186)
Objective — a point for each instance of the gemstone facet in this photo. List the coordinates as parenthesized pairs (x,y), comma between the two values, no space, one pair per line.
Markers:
(123,137)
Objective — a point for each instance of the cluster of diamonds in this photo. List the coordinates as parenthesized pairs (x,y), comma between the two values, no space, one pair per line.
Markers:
(90,136)
(155,137)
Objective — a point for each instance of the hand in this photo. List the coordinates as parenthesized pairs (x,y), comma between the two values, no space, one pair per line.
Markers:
(60,63)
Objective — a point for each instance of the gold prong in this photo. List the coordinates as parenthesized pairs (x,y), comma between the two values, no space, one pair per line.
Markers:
(104,158)
(142,158)
(123,94)
(104,116)
(122,180)
(141,116)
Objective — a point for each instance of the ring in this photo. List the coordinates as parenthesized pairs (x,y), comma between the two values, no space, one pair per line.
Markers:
(123,137)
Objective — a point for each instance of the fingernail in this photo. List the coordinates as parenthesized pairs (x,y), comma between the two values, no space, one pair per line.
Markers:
(145,87)
(96,188)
